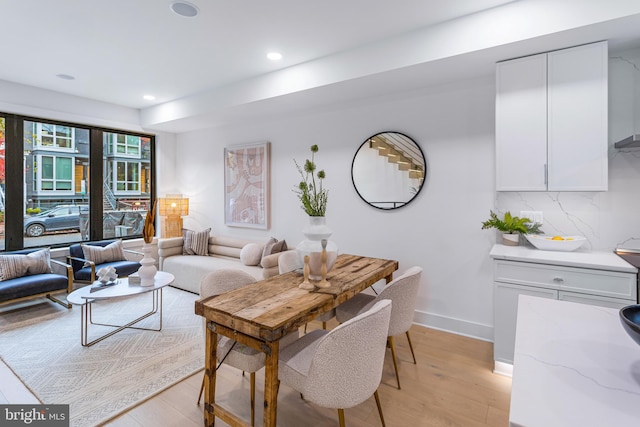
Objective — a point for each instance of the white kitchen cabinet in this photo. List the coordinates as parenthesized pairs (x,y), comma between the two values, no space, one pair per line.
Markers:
(506,303)
(603,288)
(551,121)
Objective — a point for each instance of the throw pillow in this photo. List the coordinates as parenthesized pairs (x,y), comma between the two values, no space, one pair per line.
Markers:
(195,242)
(101,254)
(251,254)
(14,266)
(272,246)
(268,246)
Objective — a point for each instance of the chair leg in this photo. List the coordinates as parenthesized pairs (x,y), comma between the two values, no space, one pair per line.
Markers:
(379,407)
(395,362)
(324,325)
(341,417)
(201,390)
(411,347)
(252,380)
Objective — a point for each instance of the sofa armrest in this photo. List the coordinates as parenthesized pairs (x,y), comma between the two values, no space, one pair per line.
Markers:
(86,263)
(131,251)
(270,264)
(169,247)
(68,271)
(171,242)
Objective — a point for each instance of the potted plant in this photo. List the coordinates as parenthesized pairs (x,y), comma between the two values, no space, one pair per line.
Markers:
(510,226)
(312,196)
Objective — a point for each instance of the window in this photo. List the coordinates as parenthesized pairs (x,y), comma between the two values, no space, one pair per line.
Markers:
(122,144)
(56,136)
(79,183)
(2,183)
(55,173)
(127,177)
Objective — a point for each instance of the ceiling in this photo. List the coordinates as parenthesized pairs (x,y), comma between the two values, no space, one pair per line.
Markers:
(213,67)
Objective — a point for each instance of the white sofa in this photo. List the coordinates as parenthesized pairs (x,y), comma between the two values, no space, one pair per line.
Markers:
(224,252)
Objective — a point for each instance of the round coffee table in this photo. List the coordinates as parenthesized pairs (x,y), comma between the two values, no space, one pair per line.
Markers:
(87,295)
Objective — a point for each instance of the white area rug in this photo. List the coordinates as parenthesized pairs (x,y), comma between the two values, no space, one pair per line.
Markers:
(102,381)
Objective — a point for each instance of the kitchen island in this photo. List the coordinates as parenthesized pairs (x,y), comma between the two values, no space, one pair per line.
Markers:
(574,366)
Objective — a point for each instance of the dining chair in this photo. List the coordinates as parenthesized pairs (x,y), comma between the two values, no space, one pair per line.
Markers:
(403,292)
(340,368)
(290,261)
(230,352)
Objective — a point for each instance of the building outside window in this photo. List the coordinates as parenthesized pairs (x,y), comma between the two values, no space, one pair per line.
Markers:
(57,198)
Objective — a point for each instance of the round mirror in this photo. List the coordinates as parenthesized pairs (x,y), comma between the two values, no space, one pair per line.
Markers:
(388,170)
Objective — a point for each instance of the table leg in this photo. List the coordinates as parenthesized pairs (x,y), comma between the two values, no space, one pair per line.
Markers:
(211,345)
(271,384)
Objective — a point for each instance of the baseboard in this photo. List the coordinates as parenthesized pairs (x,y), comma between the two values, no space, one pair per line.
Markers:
(455,326)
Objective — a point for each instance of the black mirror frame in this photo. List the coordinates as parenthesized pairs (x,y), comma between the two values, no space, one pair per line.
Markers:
(366,141)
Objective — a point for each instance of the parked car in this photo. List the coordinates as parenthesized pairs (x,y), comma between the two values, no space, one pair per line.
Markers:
(61,217)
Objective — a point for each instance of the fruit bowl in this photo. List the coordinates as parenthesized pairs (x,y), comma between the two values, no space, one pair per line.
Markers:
(630,319)
(555,243)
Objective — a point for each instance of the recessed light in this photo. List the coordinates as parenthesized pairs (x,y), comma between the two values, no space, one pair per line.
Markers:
(149,97)
(65,77)
(274,56)
(183,8)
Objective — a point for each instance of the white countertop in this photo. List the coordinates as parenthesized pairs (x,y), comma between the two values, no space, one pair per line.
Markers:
(592,259)
(574,366)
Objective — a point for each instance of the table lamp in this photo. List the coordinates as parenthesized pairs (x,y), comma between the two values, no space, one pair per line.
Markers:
(173,207)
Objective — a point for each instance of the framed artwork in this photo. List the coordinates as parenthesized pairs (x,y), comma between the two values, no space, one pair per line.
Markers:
(246,185)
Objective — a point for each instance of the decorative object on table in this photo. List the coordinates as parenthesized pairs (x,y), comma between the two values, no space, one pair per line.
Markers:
(134,278)
(510,226)
(323,283)
(107,274)
(173,207)
(555,243)
(246,185)
(630,319)
(388,170)
(313,199)
(148,269)
(306,284)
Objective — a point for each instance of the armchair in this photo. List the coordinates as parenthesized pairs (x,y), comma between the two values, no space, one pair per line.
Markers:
(23,276)
(87,258)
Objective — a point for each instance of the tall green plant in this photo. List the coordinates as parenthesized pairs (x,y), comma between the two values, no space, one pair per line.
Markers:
(312,196)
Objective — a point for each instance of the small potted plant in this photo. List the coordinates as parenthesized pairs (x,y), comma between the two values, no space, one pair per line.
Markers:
(510,226)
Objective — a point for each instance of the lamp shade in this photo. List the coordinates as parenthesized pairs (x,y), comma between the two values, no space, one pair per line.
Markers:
(174,205)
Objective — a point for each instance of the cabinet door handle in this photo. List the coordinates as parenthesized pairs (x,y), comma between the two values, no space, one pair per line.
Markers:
(546,174)
(558,279)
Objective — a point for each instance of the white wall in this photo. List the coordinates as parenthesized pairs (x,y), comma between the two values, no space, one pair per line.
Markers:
(439,231)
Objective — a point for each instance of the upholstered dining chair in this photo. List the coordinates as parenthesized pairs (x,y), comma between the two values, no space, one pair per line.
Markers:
(235,354)
(403,292)
(290,261)
(340,368)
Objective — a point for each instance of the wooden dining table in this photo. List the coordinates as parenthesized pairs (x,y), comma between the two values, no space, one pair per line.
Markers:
(260,314)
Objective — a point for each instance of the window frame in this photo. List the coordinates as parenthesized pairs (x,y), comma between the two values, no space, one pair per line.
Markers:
(14,165)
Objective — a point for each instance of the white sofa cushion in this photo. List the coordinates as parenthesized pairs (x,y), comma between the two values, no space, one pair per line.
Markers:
(189,270)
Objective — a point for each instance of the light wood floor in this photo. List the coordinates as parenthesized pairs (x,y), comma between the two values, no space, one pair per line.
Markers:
(452,385)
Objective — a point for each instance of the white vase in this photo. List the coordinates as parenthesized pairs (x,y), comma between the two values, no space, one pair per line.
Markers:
(315,231)
(148,270)
(511,239)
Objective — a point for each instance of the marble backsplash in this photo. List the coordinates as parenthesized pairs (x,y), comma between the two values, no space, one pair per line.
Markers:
(607,219)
